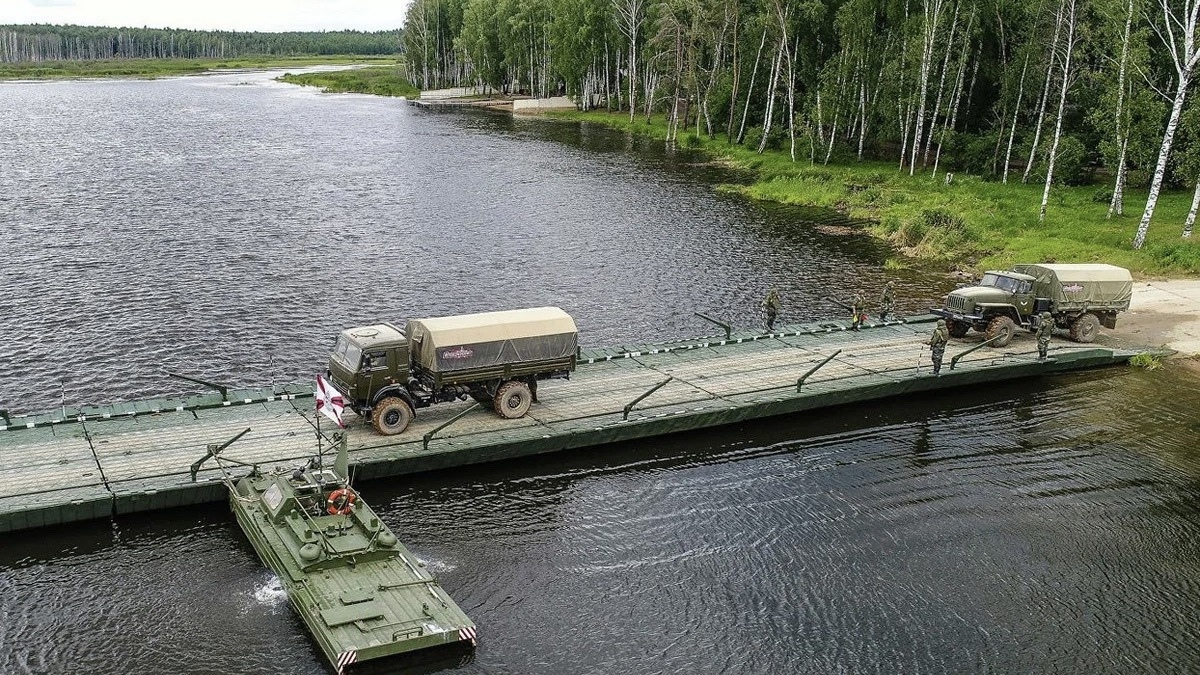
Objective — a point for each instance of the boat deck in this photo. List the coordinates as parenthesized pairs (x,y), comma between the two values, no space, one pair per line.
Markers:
(79,464)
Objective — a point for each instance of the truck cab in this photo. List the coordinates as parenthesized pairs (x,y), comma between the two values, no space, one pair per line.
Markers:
(996,306)
(370,363)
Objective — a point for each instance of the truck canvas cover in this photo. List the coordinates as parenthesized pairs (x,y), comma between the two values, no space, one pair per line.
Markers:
(1093,285)
(470,341)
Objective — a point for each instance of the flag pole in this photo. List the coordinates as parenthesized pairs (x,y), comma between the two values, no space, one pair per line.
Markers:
(318,399)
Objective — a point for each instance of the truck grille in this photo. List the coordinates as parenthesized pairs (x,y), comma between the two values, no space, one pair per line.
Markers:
(959,304)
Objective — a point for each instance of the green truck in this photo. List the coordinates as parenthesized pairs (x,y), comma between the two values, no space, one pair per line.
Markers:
(497,358)
(1079,297)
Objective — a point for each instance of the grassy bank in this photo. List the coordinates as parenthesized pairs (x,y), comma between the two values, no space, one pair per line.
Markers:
(150,68)
(971,223)
(375,80)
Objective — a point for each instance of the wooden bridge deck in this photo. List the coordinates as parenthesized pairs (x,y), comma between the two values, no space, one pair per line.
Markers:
(98,462)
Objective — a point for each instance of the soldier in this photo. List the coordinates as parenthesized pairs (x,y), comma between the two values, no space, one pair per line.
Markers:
(857,306)
(1045,329)
(885,302)
(937,345)
(770,308)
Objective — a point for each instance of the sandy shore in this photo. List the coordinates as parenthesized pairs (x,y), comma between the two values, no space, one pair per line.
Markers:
(1162,314)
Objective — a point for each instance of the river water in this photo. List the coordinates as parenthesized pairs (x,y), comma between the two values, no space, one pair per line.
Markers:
(227,226)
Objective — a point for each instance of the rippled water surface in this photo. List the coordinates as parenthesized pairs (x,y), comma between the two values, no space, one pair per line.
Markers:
(227,226)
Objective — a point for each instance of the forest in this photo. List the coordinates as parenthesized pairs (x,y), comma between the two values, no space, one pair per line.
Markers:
(37,43)
(1048,92)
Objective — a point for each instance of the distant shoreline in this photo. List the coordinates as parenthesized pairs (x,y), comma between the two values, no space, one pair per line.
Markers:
(154,68)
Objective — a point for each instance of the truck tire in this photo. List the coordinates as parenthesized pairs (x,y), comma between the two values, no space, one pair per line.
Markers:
(391,416)
(1085,328)
(1002,328)
(513,400)
(957,328)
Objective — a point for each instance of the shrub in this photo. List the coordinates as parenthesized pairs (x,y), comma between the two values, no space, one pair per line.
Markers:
(1146,361)
(1073,164)
(752,138)
(941,219)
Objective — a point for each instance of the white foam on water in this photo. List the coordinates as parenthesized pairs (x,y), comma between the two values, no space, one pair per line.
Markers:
(269,594)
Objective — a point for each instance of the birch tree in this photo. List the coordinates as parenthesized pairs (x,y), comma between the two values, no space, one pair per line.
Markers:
(1117,203)
(631,14)
(1066,13)
(1178,31)
(932,14)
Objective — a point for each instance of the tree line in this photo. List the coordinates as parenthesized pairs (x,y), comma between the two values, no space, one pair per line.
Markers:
(31,43)
(1043,91)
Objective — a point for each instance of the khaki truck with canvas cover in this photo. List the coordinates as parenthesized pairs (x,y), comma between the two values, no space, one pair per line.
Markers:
(497,358)
(1079,297)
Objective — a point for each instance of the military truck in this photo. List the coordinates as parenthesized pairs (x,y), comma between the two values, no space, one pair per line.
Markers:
(497,358)
(1079,297)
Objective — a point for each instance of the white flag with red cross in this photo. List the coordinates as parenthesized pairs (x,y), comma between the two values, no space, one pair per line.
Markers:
(329,401)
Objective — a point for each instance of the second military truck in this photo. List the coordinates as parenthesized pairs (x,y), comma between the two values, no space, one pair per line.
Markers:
(1079,297)
(385,374)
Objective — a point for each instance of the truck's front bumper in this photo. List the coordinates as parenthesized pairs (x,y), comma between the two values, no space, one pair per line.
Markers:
(956,316)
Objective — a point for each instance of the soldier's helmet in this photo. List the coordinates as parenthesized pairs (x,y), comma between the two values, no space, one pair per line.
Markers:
(891,284)
(1045,315)
(941,323)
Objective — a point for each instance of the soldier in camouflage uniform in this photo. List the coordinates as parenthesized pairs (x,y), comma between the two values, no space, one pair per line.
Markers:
(857,306)
(770,308)
(1045,329)
(885,302)
(937,344)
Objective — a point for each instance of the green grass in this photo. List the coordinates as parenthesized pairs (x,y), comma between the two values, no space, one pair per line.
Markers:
(151,68)
(374,80)
(971,224)
(1146,361)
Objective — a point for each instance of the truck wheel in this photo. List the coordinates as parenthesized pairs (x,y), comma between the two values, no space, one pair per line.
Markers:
(957,328)
(1002,328)
(513,400)
(1085,328)
(391,416)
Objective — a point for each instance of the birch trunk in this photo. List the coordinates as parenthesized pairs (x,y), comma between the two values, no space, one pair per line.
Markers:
(937,106)
(1117,204)
(1012,133)
(1069,10)
(862,112)
(750,87)
(1191,216)
(791,92)
(775,68)
(1037,130)
(933,11)
(956,92)
(1164,152)
(631,15)
(1185,52)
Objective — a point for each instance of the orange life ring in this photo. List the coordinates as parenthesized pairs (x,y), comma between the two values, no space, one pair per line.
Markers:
(341,502)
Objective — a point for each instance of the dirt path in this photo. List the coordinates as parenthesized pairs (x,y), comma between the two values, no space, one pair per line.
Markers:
(1162,314)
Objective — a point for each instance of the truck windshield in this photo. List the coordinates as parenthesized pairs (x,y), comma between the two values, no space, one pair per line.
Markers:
(347,352)
(1004,283)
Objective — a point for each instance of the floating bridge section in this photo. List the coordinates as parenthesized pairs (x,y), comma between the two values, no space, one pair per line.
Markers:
(97,462)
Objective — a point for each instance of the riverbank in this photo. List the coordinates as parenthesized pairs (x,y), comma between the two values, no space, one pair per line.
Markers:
(968,223)
(152,68)
(1163,313)
(380,80)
